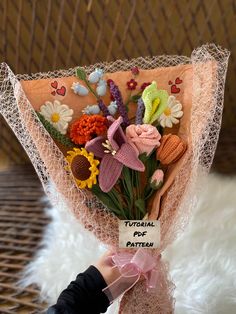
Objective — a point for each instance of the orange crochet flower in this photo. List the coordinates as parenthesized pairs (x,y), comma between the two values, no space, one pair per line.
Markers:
(171,149)
(87,127)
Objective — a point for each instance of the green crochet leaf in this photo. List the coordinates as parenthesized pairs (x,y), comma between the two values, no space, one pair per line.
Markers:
(55,134)
(111,199)
(141,205)
(81,74)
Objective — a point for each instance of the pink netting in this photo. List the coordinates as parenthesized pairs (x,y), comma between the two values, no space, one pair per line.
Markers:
(49,162)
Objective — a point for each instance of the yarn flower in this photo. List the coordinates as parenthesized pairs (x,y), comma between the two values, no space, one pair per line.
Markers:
(83,167)
(109,81)
(95,76)
(57,114)
(145,137)
(116,94)
(155,102)
(131,85)
(91,109)
(172,113)
(171,149)
(86,127)
(144,85)
(115,152)
(79,89)
(135,70)
(156,180)
(112,108)
(101,88)
(103,108)
(106,110)
(139,111)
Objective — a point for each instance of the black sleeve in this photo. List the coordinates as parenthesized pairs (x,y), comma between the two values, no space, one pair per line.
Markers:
(83,296)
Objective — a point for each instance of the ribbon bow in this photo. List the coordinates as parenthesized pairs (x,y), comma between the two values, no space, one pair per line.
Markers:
(132,267)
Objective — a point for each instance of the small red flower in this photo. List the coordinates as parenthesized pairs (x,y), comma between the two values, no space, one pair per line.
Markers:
(109,81)
(131,85)
(144,85)
(135,70)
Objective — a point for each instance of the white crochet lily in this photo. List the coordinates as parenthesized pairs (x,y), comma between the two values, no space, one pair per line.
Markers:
(59,115)
(172,113)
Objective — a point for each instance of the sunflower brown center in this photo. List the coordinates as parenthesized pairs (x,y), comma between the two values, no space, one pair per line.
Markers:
(80,167)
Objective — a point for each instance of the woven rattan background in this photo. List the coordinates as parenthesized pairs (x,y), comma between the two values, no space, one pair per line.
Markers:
(22,222)
(41,35)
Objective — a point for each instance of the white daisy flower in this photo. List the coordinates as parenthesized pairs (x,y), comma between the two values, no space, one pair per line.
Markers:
(59,115)
(172,113)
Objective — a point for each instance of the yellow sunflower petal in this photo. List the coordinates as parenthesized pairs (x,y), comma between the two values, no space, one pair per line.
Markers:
(94,171)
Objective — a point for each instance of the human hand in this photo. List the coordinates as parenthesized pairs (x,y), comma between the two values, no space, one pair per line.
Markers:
(109,272)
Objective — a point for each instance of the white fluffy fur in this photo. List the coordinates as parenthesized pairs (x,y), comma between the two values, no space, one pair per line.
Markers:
(202,260)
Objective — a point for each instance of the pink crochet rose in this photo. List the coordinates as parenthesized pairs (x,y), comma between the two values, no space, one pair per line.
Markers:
(144,136)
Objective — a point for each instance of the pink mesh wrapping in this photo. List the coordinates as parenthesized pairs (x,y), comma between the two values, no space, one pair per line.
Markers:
(179,198)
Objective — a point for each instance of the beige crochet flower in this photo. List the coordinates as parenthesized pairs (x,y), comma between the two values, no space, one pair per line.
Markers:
(172,113)
(59,115)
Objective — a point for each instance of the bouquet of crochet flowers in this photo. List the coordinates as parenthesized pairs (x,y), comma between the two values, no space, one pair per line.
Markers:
(123,141)
(115,147)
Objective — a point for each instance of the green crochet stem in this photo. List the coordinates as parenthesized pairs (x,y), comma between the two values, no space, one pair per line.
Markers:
(82,75)
(54,132)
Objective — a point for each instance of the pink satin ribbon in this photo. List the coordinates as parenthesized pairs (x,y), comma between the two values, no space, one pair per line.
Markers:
(132,267)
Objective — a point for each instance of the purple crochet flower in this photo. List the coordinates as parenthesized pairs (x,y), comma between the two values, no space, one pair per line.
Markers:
(116,95)
(115,152)
(103,108)
(140,111)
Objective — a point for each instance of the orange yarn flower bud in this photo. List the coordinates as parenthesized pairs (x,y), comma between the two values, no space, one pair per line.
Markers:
(171,149)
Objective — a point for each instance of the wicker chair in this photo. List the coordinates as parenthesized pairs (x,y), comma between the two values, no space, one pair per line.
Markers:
(21,225)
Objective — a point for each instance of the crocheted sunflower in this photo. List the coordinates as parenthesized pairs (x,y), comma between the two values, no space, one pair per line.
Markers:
(83,167)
